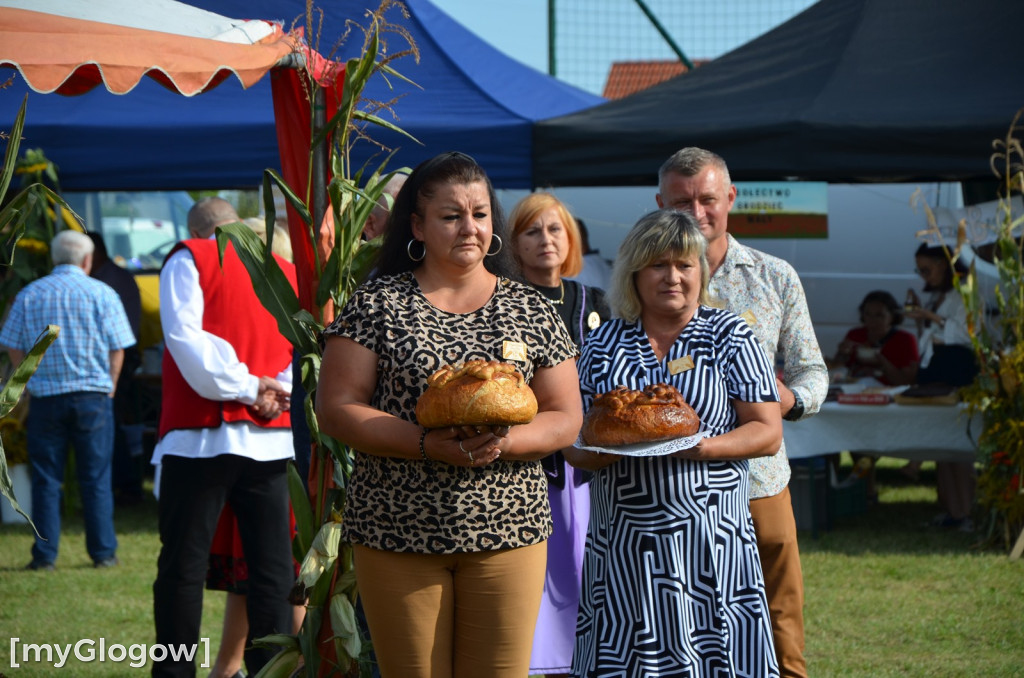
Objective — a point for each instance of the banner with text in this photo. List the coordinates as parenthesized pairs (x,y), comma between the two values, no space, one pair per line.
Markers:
(780,209)
(982,222)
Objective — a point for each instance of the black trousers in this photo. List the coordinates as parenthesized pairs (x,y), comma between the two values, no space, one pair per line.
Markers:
(192,494)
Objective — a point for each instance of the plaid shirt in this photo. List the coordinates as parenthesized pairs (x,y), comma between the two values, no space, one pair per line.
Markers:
(92,323)
(767,293)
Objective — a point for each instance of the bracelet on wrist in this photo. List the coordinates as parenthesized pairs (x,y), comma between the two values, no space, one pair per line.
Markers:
(423,449)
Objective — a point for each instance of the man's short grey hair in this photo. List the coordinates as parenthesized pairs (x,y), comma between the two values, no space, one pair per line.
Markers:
(70,247)
(691,161)
(209,213)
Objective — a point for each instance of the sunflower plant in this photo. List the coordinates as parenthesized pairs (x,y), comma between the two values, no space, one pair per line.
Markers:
(37,216)
(14,440)
(14,217)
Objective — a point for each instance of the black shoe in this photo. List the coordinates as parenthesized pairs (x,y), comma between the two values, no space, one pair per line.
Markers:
(40,566)
(112,561)
(128,499)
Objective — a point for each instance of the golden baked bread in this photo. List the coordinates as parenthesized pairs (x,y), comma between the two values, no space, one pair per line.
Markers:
(624,417)
(476,393)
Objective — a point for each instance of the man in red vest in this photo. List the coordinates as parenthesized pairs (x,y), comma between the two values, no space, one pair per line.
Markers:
(225,437)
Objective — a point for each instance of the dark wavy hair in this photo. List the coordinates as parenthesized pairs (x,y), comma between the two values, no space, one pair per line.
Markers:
(451,168)
(887,300)
(938,254)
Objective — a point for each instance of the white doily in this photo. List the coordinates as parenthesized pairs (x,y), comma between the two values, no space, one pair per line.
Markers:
(657,449)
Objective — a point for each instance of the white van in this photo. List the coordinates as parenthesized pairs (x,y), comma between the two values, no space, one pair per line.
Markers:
(872,236)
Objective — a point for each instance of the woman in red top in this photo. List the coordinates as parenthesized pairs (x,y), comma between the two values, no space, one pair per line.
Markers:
(878,348)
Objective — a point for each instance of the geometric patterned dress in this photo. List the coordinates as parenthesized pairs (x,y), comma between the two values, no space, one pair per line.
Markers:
(672,582)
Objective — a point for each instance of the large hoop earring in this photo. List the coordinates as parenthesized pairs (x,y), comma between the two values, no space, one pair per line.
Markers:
(408,250)
(495,236)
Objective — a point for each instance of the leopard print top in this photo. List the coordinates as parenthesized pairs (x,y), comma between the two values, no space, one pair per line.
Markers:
(420,506)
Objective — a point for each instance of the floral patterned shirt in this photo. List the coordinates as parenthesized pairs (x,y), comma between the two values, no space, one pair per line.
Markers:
(767,293)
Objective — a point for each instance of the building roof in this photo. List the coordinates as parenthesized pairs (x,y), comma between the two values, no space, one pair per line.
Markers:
(627,77)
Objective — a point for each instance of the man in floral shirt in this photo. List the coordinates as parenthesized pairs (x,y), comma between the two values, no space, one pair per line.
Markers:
(765,291)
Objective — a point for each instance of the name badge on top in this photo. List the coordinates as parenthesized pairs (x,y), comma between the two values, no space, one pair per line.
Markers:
(513,350)
(749,316)
(680,365)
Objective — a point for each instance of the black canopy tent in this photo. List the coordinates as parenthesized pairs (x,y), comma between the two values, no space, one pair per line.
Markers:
(846,91)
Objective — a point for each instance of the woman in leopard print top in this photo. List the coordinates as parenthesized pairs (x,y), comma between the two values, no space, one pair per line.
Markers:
(448,525)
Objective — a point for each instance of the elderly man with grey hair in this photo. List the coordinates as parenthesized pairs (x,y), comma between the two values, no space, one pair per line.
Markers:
(72,394)
(765,291)
(378,219)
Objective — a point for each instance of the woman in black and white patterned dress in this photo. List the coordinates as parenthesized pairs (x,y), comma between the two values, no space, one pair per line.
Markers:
(672,582)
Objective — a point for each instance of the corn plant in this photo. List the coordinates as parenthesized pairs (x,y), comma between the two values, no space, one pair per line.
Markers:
(997,393)
(329,642)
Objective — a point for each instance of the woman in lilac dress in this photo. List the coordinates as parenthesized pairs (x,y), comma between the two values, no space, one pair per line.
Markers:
(547,245)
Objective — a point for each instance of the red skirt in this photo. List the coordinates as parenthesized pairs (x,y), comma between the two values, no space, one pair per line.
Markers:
(227,569)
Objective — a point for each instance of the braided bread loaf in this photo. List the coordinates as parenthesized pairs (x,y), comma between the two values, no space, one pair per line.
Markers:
(476,393)
(624,417)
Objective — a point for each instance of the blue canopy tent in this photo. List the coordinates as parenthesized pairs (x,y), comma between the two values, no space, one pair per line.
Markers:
(467,96)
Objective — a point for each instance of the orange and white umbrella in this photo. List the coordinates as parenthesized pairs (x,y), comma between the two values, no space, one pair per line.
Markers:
(71,46)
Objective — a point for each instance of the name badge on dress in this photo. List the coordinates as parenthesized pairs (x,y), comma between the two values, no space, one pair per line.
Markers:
(680,365)
(749,316)
(593,320)
(513,350)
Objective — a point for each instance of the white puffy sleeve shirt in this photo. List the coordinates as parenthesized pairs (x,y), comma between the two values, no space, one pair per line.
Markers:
(211,367)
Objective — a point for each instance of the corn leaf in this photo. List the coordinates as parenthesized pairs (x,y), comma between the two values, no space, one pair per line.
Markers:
(268,280)
(11,155)
(343,621)
(305,529)
(9,397)
(281,665)
(15,386)
(381,122)
(385,69)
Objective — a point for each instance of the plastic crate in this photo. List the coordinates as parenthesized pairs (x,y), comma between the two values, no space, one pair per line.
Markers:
(808,489)
(818,500)
(848,500)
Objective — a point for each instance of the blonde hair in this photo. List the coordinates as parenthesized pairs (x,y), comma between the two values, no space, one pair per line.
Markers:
(527,211)
(654,235)
(282,241)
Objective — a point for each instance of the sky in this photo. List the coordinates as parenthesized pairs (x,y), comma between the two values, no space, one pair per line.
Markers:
(516,27)
(703,29)
(519,29)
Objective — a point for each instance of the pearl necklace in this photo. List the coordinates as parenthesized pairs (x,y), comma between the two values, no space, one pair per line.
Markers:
(561,299)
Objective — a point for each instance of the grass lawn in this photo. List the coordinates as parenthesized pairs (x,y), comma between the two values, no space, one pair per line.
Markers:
(78,601)
(886,595)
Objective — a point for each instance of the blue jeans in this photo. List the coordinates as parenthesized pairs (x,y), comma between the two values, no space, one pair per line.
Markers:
(84,420)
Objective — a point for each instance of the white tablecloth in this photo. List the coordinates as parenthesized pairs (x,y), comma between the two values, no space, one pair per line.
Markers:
(925,432)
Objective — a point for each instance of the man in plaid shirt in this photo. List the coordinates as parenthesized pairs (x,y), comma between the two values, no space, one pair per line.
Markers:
(72,393)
